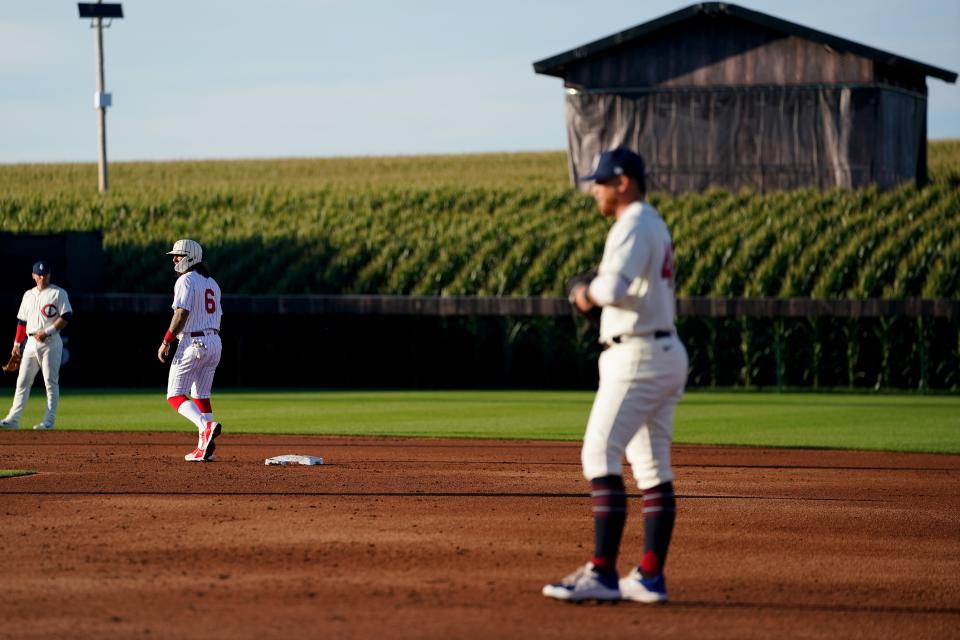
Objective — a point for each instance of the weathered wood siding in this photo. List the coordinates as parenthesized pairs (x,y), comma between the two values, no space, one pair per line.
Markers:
(716,51)
(761,138)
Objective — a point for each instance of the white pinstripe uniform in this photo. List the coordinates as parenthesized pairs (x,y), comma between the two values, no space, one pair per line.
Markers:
(644,367)
(39,309)
(199,349)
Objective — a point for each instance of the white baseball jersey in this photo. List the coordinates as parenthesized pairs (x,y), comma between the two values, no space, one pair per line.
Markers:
(40,308)
(639,252)
(201,297)
(641,379)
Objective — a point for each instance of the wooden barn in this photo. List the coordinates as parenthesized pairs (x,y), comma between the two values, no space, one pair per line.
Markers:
(718,95)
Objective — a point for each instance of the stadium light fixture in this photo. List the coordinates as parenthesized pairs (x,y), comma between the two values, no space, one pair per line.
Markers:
(101,99)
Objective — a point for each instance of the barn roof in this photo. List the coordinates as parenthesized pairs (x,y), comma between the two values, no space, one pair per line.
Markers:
(556,65)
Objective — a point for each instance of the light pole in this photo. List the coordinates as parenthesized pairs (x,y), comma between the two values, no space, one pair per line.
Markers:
(101,99)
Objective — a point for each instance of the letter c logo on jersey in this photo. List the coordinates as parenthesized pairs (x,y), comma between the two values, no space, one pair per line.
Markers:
(49,311)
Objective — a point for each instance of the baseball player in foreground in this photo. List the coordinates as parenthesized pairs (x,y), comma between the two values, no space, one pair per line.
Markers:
(196,324)
(44,312)
(643,370)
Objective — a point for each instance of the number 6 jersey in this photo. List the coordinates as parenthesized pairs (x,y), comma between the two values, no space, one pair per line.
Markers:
(200,296)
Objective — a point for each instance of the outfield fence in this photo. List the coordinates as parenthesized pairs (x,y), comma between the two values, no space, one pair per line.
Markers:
(466,341)
(528,306)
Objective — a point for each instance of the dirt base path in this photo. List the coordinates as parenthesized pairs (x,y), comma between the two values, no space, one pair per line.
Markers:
(118,537)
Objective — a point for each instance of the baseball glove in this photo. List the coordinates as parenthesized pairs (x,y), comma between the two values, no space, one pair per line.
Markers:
(13,363)
(585,277)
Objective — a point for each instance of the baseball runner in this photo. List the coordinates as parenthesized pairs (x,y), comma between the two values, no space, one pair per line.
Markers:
(196,324)
(44,312)
(643,370)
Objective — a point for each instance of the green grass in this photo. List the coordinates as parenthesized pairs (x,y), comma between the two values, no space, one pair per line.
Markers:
(901,422)
(12,473)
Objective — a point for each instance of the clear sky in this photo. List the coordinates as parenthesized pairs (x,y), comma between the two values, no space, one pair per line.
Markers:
(278,78)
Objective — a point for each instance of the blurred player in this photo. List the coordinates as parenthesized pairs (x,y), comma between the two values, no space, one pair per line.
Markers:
(643,370)
(196,324)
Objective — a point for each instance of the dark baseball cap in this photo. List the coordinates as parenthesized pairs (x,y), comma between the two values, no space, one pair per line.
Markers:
(618,162)
(41,268)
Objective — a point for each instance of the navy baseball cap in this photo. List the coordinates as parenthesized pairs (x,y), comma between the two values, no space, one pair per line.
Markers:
(41,268)
(618,162)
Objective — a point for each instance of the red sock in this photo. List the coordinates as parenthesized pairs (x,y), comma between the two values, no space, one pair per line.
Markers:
(176,401)
(659,513)
(650,565)
(609,502)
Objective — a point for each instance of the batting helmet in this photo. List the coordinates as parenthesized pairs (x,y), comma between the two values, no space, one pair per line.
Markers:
(191,251)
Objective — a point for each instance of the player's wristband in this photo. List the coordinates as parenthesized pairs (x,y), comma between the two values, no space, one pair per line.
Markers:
(50,330)
(168,338)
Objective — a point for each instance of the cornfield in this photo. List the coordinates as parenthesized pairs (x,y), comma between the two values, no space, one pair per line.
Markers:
(509,224)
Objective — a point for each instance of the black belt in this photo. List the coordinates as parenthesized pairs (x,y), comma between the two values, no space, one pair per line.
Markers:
(659,334)
(200,334)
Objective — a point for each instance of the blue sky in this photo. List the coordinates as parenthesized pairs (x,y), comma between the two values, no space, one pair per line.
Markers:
(224,79)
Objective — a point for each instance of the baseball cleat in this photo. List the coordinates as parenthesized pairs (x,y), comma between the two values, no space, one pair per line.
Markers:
(639,589)
(586,583)
(211,432)
(206,444)
(9,424)
(43,425)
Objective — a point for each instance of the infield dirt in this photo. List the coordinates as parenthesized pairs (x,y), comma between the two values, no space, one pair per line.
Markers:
(117,537)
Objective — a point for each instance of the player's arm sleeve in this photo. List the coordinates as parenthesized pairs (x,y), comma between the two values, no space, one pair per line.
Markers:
(21,334)
(65,309)
(24,309)
(608,287)
(66,312)
(181,293)
(623,257)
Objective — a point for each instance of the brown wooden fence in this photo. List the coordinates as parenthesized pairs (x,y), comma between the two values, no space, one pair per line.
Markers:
(525,341)
(522,306)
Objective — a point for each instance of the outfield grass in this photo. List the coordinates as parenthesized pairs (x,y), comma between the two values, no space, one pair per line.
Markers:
(901,422)
(12,473)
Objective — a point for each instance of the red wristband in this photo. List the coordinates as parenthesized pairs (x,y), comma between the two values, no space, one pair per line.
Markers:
(168,338)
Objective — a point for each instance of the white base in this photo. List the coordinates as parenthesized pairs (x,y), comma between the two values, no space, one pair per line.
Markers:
(292,458)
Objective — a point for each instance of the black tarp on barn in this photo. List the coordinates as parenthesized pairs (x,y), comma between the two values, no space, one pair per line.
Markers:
(718,95)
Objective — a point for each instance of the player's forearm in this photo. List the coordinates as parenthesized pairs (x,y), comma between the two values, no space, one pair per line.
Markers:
(55,327)
(178,322)
(61,323)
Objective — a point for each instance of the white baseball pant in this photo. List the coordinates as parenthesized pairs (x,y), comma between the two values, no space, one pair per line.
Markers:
(39,356)
(641,381)
(193,366)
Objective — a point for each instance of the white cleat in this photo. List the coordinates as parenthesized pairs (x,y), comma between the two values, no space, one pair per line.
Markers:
(9,424)
(639,589)
(43,426)
(584,584)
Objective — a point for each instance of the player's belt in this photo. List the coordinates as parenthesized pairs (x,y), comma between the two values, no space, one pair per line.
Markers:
(199,334)
(656,335)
